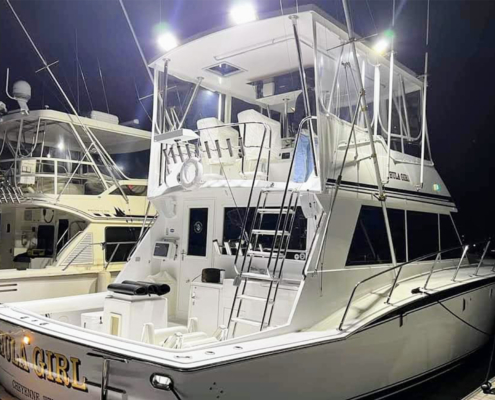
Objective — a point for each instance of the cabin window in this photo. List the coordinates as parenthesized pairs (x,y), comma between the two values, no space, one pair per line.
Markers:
(131,190)
(422,234)
(46,237)
(449,238)
(198,232)
(63,233)
(127,237)
(232,226)
(370,244)
(397,220)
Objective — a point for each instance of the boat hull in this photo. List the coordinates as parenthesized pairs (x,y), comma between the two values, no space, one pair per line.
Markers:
(387,354)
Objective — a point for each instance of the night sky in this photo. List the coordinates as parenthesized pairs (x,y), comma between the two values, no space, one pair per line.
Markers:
(461,102)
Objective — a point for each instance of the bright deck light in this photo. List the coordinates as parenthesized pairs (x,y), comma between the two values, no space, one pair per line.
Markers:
(381,46)
(167,41)
(26,340)
(243,13)
(61,145)
(384,42)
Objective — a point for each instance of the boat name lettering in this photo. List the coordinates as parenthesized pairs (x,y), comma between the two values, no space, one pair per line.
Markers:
(398,177)
(45,364)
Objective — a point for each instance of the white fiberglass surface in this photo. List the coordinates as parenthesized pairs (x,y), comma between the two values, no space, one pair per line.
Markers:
(244,46)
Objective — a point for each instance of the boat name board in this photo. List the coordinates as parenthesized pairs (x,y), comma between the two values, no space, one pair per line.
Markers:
(399,176)
(45,364)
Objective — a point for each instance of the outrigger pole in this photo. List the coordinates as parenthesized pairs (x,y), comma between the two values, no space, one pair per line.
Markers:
(381,195)
(94,141)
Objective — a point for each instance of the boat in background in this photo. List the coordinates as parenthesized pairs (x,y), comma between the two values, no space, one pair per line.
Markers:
(70,216)
(352,284)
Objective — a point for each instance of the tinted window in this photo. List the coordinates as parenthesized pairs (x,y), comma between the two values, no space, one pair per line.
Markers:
(448,237)
(234,218)
(46,238)
(198,232)
(369,244)
(397,221)
(115,235)
(131,190)
(422,233)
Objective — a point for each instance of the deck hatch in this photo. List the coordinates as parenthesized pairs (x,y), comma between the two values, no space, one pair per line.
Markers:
(224,69)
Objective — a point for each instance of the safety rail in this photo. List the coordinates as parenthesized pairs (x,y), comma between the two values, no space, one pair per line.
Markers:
(15,176)
(437,255)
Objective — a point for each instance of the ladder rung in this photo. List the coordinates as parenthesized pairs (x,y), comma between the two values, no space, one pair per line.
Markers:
(253,298)
(275,211)
(246,321)
(265,254)
(290,280)
(269,232)
(275,190)
(259,277)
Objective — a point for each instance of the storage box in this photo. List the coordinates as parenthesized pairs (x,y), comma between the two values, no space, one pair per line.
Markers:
(92,321)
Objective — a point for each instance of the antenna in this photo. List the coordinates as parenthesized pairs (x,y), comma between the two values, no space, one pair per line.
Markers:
(103,85)
(390,97)
(86,86)
(425,89)
(77,75)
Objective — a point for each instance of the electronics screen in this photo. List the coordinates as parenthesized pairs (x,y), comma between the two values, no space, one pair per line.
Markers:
(161,249)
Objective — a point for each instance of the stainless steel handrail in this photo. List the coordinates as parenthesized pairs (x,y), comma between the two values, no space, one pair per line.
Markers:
(400,266)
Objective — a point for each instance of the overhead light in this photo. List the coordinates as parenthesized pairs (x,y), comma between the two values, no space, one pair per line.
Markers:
(167,41)
(383,43)
(381,46)
(61,145)
(26,340)
(243,13)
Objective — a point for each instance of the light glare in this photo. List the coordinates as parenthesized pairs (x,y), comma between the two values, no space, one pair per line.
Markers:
(167,41)
(243,13)
(381,46)
(61,145)
(26,340)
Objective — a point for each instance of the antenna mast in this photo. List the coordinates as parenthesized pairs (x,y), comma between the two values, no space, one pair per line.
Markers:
(425,89)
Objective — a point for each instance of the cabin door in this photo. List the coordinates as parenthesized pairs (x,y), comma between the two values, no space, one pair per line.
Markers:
(196,249)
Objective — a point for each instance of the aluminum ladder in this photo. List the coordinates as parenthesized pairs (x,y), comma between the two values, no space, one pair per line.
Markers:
(264,264)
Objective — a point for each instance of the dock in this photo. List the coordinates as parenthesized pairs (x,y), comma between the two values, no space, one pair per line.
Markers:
(479,395)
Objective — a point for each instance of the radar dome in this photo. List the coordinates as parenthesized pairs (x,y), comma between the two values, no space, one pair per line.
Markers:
(22,93)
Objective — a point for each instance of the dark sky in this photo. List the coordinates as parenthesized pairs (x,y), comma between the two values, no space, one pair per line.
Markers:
(461,103)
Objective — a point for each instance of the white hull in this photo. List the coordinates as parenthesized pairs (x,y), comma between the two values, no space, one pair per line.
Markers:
(380,356)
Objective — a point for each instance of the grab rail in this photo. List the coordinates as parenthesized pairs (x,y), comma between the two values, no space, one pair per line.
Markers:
(400,266)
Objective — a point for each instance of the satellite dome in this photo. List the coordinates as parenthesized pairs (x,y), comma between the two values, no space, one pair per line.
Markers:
(22,93)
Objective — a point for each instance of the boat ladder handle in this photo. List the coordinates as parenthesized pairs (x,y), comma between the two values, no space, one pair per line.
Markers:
(400,266)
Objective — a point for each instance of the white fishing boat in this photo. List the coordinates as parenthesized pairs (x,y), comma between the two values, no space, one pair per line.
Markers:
(70,216)
(350,284)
